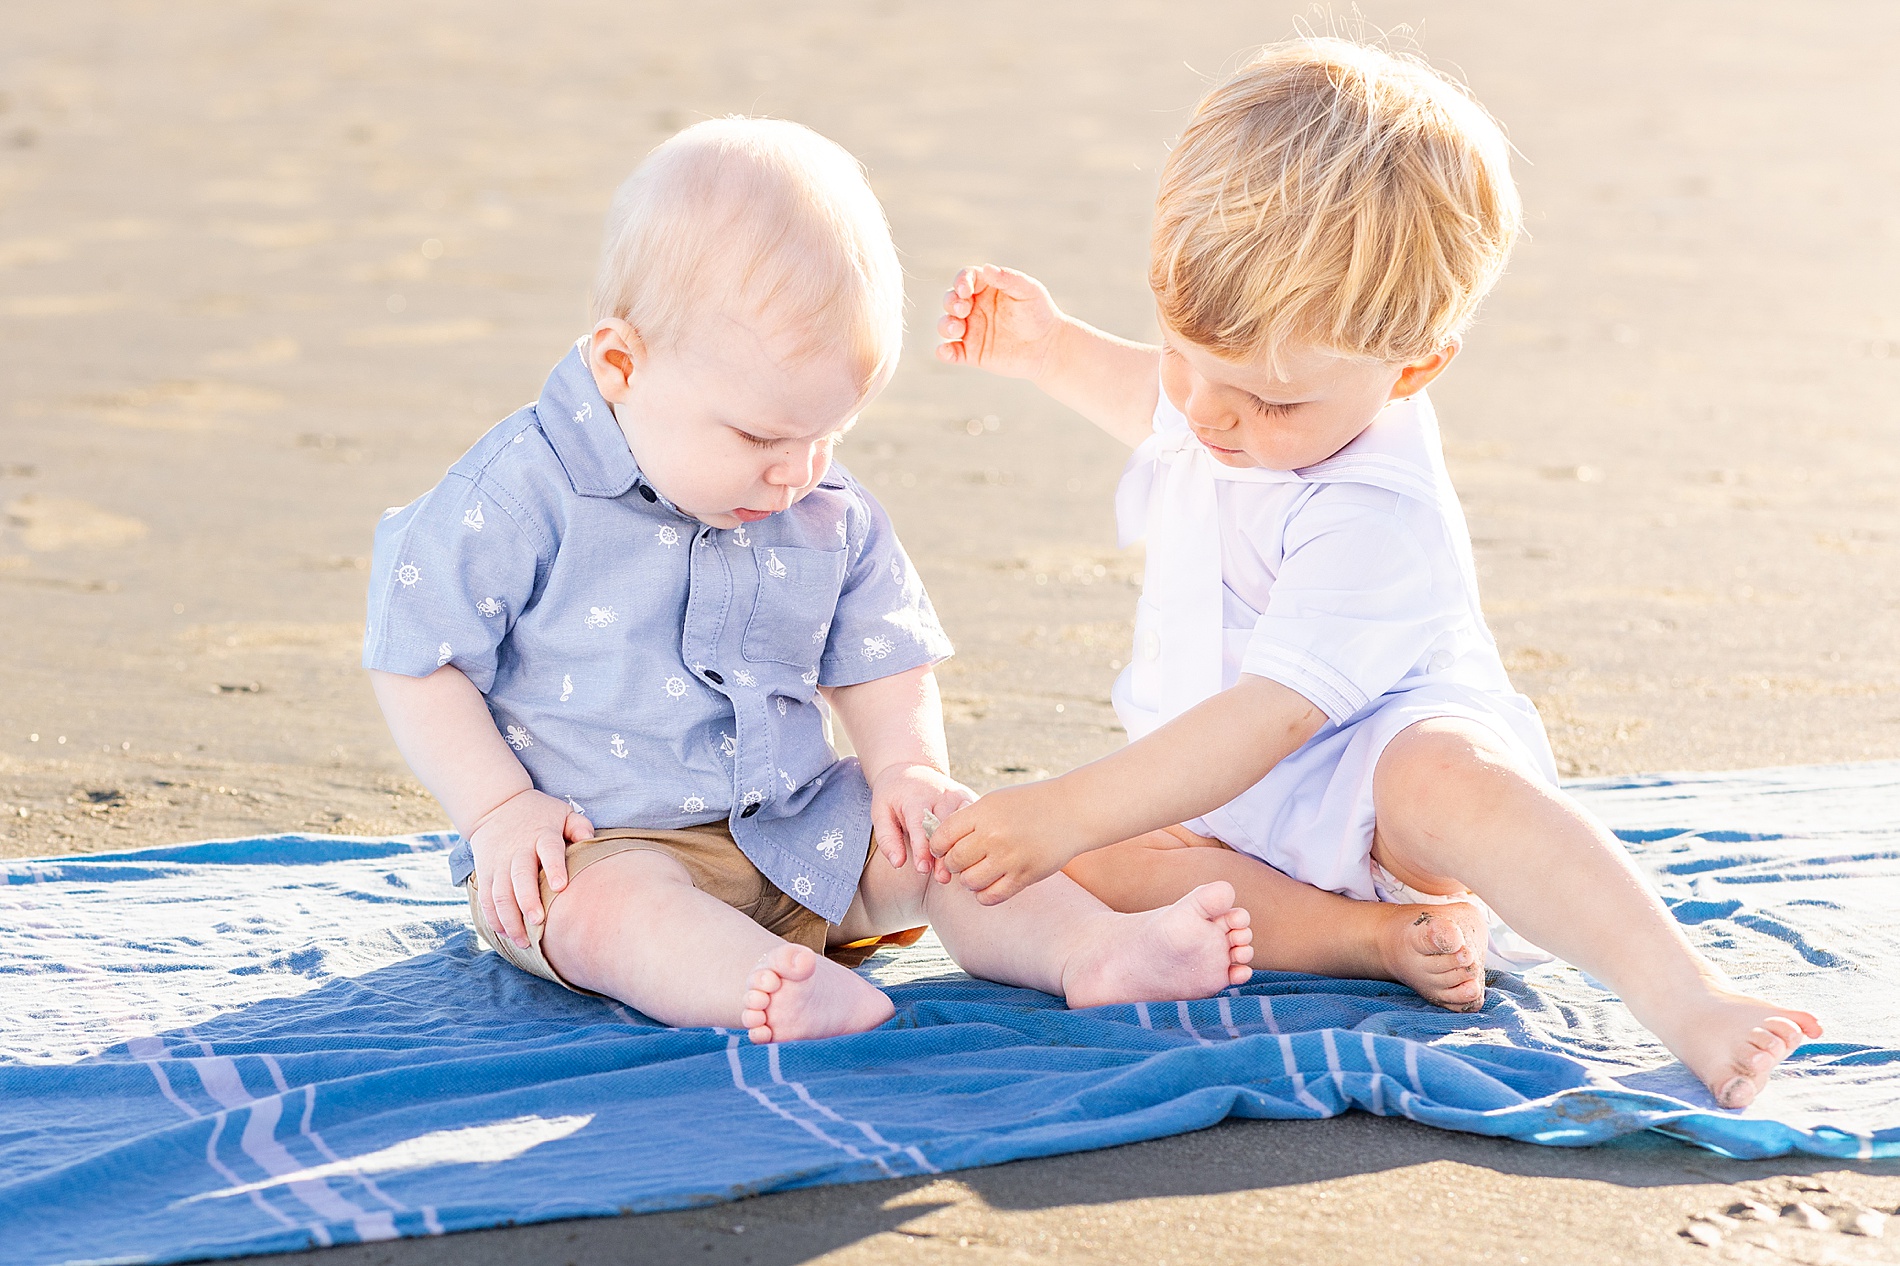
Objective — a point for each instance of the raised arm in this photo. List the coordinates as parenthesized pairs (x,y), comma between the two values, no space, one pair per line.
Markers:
(1199,761)
(1004,321)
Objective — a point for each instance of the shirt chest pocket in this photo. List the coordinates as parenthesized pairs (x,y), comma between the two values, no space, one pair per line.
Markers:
(791,614)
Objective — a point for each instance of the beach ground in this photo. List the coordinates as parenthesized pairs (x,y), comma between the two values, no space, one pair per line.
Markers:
(267,268)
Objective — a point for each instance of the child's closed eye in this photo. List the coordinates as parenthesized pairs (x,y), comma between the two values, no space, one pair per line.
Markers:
(1268,407)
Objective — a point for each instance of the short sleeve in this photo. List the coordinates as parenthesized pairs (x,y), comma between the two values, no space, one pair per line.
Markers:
(451,573)
(1356,603)
(884,623)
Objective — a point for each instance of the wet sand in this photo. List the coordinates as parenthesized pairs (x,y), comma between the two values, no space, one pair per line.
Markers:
(266,269)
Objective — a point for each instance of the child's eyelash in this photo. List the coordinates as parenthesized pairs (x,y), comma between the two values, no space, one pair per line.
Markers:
(1271,410)
(755,441)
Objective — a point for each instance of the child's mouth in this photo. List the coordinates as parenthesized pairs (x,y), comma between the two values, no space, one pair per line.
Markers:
(751,516)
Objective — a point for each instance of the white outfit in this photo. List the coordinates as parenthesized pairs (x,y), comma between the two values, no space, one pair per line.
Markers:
(1350,582)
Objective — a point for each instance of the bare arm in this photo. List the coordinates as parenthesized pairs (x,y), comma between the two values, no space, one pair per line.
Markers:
(1199,761)
(443,729)
(896,725)
(1004,321)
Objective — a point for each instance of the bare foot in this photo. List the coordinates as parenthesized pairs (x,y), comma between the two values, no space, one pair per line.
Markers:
(794,994)
(1732,1041)
(1192,949)
(1438,951)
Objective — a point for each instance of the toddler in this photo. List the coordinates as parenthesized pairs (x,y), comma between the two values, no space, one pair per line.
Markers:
(625,602)
(1313,686)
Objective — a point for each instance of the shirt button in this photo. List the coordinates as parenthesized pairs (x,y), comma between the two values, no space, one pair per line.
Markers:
(1151,645)
(1440,661)
(648,493)
(748,811)
(715,678)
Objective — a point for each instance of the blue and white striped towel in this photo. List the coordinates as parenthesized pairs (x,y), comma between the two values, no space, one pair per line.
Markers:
(269,1044)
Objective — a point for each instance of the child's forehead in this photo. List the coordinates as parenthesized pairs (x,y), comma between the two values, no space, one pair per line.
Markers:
(747,371)
(1288,367)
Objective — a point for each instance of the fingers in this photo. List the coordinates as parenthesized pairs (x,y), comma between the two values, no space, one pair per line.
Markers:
(505,912)
(577,828)
(553,857)
(888,831)
(524,876)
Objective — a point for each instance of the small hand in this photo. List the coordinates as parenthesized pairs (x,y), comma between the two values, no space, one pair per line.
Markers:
(1006,841)
(513,843)
(902,799)
(1000,320)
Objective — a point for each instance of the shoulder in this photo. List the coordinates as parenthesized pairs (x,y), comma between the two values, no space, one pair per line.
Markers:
(510,476)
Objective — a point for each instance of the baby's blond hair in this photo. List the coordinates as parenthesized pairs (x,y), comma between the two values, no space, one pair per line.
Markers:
(755,218)
(1332,194)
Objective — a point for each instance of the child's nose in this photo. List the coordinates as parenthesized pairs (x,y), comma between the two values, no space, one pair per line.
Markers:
(1208,411)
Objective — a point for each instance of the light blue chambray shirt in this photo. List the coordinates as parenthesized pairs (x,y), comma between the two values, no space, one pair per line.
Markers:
(648,669)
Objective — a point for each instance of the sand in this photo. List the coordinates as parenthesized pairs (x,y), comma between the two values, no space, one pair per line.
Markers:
(266,269)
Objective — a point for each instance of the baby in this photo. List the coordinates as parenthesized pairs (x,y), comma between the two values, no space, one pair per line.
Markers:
(1313,685)
(625,602)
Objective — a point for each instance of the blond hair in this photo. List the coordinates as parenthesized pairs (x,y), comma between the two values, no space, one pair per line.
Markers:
(1332,194)
(755,218)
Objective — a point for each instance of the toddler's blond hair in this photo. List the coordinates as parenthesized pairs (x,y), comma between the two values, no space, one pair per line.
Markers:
(755,218)
(1332,194)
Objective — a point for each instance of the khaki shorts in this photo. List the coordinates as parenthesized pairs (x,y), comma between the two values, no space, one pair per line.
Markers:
(717,868)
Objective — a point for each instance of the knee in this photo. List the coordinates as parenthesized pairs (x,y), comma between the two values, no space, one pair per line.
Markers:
(1445,762)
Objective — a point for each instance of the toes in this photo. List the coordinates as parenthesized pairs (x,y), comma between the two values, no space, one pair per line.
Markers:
(1240,954)
(1736,1092)
(1213,900)
(1239,975)
(1240,936)
(761,1035)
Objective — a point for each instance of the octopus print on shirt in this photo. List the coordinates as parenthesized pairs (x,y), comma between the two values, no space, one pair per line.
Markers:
(699,666)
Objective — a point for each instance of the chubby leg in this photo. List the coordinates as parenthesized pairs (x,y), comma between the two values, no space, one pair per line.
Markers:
(1437,950)
(1457,810)
(633,926)
(1055,937)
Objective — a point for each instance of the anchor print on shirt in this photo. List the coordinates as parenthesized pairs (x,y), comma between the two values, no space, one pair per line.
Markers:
(599,617)
(787,779)
(877,647)
(739,537)
(585,412)
(409,574)
(473,520)
(618,747)
(567,687)
(518,738)
(667,535)
(490,607)
(830,844)
(773,567)
(443,654)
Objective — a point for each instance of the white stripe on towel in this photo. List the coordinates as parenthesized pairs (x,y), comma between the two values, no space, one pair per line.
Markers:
(765,1101)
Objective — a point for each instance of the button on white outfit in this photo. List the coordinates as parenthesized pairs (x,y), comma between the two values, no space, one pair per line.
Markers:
(1350,582)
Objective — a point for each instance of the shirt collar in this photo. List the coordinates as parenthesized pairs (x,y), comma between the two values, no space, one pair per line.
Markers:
(580,427)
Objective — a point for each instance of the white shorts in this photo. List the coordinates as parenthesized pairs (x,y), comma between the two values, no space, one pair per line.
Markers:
(1312,816)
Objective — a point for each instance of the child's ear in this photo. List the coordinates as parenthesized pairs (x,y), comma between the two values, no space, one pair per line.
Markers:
(615,354)
(1418,374)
